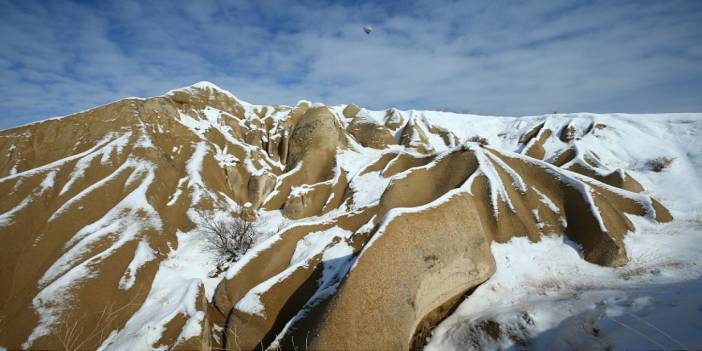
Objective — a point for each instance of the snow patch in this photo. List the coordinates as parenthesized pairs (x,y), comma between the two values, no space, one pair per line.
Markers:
(142,255)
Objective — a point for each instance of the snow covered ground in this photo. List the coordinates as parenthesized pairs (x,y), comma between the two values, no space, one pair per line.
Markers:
(545,297)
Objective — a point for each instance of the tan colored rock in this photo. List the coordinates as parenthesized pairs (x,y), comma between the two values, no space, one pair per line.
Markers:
(180,97)
(259,188)
(535,146)
(409,271)
(314,140)
(393,119)
(284,146)
(234,180)
(413,136)
(531,133)
(350,111)
(568,133)
(275,137)
(254,137)
(403,162)
(133,171)
(370,134)
(308,202)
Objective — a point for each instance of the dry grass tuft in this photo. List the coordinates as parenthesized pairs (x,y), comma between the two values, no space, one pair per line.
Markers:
(658,164)
(478,139)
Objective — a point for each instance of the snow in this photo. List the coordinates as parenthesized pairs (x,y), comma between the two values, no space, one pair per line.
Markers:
(137,167)
(547,201)
(224,158)
(6,217)
(545,294)
(120,225)
(315,242)
(144,141)
(337,261)
(372,117)
(298,191)
(174,292)
(179,190)
(281,114)
(560,293)
(194,170)
(398,211)
(368,187)
(354,161)
(197,126)
(517,180)
(497,188)
(48,181)
(311,245)
(143,254)
(85,161)
(435,140)
(55,164)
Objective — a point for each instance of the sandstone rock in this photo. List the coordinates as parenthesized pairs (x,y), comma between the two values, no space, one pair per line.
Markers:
(568,133)
(370,134)
(99,207)
(410,270)
(259,187)
(350,111)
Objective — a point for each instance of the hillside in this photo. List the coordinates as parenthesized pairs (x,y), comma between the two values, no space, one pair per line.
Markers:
(375,226)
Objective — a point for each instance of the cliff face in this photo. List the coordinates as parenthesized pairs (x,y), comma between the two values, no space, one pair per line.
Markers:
(374,224)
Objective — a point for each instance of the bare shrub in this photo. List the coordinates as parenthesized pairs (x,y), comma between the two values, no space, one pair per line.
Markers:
(658,164)
(227,240)
(478,139)
(490,334)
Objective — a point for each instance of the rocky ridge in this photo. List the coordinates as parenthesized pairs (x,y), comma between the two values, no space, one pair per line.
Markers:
(377,222)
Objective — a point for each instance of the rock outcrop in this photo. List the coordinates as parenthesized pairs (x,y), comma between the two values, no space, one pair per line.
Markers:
(379,222)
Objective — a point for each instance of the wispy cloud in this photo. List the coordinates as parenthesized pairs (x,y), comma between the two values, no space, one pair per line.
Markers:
(509,57)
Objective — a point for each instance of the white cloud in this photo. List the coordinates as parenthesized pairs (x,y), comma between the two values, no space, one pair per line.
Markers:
(499,57)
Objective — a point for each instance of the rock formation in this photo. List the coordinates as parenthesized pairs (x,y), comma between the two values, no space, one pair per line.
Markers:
(385,220)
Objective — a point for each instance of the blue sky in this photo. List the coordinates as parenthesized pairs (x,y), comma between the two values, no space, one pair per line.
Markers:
(511,57)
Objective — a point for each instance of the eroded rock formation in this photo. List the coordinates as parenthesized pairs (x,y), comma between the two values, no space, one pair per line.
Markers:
(385,220)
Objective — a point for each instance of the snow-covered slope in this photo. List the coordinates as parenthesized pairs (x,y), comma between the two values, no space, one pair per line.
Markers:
(542,297)
(369,221)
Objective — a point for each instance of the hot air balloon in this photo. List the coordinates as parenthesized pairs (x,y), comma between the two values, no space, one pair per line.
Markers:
(368,29)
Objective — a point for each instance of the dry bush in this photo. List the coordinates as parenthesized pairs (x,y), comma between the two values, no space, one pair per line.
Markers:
(478,139)
(227,240)
(658,164)
(488,334)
